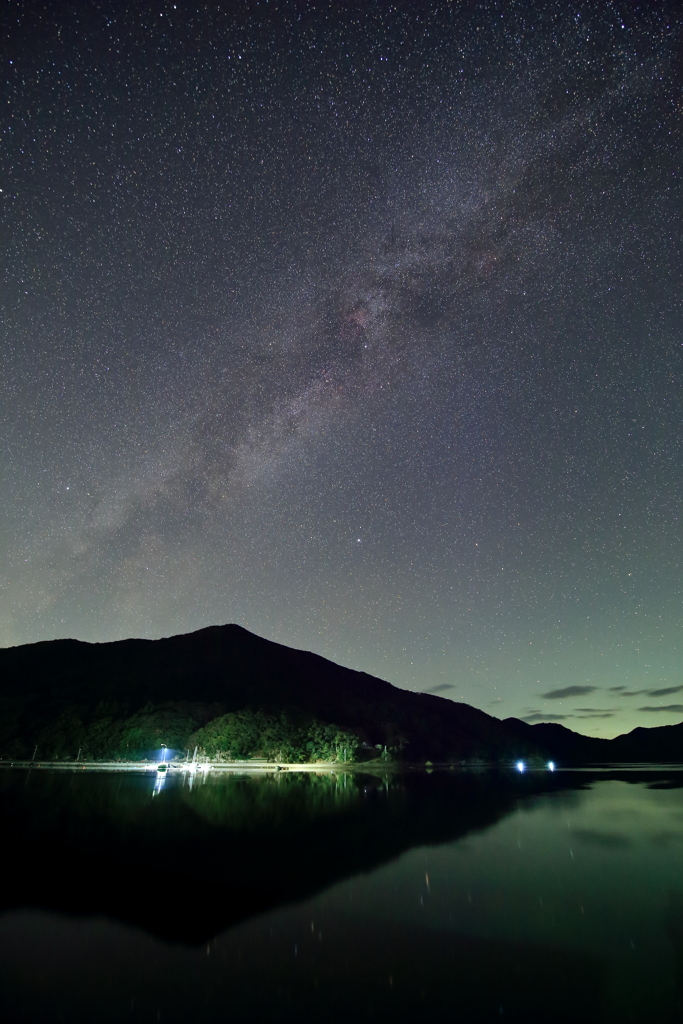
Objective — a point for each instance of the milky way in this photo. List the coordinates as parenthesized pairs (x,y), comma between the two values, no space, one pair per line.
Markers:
(357,325)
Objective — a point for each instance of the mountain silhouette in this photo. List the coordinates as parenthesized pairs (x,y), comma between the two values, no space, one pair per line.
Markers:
(105,699)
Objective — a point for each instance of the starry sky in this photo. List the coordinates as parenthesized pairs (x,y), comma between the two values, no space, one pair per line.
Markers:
(358,324)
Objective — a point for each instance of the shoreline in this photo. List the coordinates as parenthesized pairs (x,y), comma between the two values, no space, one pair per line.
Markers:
(200,767)
(260,767)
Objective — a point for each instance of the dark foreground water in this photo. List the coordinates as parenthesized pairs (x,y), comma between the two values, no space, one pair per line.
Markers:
(448,896)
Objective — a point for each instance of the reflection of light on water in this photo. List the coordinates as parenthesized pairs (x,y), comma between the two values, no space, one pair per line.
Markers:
(195,778)
(192,771)
(159,783)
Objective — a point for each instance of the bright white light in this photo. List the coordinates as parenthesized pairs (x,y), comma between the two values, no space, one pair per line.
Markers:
(521,766)
(551,766)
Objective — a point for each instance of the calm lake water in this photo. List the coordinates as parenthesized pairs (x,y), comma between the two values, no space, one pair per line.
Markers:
(451,896)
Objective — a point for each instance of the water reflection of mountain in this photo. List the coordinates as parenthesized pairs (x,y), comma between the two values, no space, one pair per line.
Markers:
(186,863)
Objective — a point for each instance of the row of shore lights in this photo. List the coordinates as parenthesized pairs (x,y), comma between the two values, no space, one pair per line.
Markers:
(521,766)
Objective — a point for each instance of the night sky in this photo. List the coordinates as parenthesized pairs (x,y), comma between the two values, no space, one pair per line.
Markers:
(358,324)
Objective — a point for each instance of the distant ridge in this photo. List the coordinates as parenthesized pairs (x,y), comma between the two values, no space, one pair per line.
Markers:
(660,744)
(66,695)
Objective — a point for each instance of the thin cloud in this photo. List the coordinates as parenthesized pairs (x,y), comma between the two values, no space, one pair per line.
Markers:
(616,688)
(538,716)
(440,688)
(568,691)
(596,711)
(596,714)
(664,692)
(673,708)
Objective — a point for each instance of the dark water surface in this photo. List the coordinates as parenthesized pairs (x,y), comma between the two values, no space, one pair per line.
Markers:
(446,896)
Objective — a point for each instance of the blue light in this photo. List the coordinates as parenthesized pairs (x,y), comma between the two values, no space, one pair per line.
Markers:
(551,766)
(521,767)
